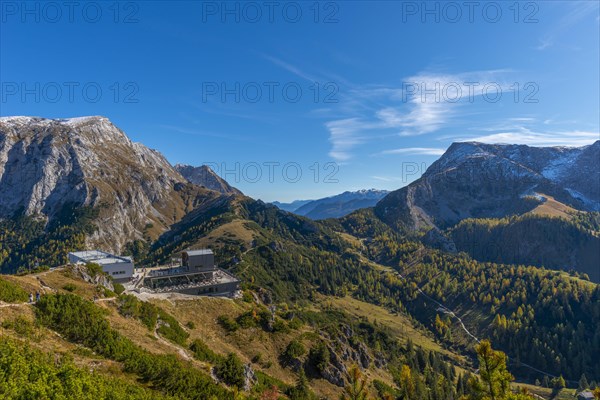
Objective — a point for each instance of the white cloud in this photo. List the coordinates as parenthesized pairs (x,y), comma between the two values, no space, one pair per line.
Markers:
(343,135)
(529,137)
(423,104)
(416,150)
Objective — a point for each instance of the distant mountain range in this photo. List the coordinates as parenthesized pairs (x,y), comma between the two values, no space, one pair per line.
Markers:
(335,206)
(293,206)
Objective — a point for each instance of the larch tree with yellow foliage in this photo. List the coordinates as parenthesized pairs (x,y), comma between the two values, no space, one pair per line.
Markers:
(494,379)
(357,387)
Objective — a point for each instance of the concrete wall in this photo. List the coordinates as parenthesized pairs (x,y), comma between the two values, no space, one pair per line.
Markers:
(201,261)
(119,271)
(222,289)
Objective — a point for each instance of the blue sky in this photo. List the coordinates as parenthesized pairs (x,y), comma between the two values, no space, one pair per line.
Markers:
(351,94)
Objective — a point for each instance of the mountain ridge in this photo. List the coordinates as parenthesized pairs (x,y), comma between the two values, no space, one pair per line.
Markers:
(46,164)
(477,180)
(334,206)
(205,176)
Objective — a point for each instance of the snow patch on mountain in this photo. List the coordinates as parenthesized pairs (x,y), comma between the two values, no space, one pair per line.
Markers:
(556,168)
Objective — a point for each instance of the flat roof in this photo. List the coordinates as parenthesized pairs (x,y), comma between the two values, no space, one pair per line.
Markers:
(220,277)
(200,252)
(99,257)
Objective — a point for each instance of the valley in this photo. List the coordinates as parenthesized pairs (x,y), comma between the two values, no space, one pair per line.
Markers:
(487,244)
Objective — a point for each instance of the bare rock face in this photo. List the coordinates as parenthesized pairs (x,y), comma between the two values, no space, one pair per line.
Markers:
(334,376)
(46,164)
(204,176)
(81,271)
(249,377)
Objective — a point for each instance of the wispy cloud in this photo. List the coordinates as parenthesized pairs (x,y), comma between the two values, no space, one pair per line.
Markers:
(416,150)
(423,104)
(386,178)
(578,10)
(199,132)
(526,136)
(290,68)
(344,135)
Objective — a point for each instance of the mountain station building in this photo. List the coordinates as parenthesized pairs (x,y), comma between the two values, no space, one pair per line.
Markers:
(119,267)
(196,274)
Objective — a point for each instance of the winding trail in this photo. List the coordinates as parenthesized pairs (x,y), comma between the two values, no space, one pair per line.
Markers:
(4,305)
(183,353)
(441,306)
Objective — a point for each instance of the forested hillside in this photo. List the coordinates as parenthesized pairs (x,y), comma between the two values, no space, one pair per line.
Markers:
(403,291)
(552,242)
(544,318)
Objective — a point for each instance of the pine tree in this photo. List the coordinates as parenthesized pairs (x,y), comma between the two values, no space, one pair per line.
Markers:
(583,383)
(494,381)
(357,389)
(407,383)
(546,381)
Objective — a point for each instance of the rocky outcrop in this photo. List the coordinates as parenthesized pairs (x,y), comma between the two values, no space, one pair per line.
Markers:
(81,271)
(206,177)
(249,377)
(333,376)
(344,350)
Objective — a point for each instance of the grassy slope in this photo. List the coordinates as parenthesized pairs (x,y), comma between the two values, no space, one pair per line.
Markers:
(553,208)
(203,312)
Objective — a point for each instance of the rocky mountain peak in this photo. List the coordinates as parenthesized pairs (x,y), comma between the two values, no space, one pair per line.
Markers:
(479,180)
(46,164)
(206,177)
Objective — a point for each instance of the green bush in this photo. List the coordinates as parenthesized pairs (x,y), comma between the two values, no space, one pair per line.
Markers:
(264,382)
(70,287)
(21,325)
(228,323)
(319,356)
(31,374)
(203,353)
(12,293)
(294,349)
(295,324)
(280,326)
(131,307)
(118,288)
(231,371)
(247,296)
(94,269)
(191,325)
(247,320)
(148,314)
(151,315)
(170,329)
